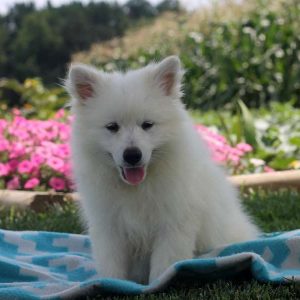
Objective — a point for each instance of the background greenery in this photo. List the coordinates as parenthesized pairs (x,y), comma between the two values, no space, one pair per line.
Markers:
(40,42)
(253,55)
(274,130)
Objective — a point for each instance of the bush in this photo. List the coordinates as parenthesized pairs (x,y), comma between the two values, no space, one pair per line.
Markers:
(32,97)
(254,58)
(276,132)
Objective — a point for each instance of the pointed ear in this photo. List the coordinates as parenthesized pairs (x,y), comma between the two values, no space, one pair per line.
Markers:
(168,75)
(82,82)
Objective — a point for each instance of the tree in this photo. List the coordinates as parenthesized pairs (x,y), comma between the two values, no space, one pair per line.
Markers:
(137,9)
(41,42)
(3,43)
(168,5)
(36,48)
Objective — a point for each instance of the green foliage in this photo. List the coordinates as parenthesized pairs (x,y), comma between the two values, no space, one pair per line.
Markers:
(278,133)
(51,219)
(136,9)
(35,100)
(246,124)
(256,59)
(43,40)
(168,5)
(37,46)
(275,130)
(40,43)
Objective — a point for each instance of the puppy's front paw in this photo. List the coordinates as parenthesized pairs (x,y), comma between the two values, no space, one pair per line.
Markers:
(110,256)
(155,272)
(168,249)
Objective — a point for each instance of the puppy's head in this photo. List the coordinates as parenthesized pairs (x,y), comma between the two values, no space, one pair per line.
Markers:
(127,116)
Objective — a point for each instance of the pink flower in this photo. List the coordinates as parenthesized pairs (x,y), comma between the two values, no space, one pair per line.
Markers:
(3,124)
(43,152)
(59,114)
(25,166)
(55,163)
(22,135)
(268,169)
(57,184)
(17,149)
(234,159)
(4,145)
(41,134)
(236,152)
(36,159)
(13,184)
(244,147)
(62,151)
(64,132)
(66,170)
(31,183)
(16,111)
(13,164)
(4,169)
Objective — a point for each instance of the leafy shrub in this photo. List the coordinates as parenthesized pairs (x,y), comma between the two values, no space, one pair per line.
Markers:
(276,130)
(255,58)
(34,99)
(278,134)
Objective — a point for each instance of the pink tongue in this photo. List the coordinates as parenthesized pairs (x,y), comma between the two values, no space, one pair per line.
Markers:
(134,175)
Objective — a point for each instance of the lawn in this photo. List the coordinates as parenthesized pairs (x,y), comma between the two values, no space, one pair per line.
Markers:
(272,211)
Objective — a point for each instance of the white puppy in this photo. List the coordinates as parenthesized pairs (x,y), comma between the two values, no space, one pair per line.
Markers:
(150,193)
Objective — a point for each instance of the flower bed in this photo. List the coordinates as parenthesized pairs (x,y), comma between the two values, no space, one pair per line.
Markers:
(34,154)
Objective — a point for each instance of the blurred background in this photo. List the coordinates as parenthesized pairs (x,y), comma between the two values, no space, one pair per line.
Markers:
(242,61)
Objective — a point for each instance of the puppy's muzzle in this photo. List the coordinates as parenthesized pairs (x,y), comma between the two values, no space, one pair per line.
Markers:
(133,171)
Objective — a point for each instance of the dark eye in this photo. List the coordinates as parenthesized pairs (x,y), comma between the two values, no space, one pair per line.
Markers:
(147,125)
(113,127)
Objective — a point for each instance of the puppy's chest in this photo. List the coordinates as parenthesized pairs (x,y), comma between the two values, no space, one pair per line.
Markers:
(139,219)
(139,222)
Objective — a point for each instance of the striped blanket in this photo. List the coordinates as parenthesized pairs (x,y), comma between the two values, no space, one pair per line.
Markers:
(48,265)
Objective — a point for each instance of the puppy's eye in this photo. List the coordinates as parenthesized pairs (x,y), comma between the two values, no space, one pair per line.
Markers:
(147,125)
(113,127)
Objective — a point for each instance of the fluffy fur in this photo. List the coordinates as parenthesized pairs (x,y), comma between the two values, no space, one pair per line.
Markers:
(183,202)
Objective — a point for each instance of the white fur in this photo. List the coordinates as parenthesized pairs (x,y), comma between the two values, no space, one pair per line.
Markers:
(185,203)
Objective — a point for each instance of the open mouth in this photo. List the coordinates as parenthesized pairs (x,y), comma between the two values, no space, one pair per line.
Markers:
(133,175)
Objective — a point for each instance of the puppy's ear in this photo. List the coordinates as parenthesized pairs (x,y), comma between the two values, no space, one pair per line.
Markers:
(82,82)
(168,75)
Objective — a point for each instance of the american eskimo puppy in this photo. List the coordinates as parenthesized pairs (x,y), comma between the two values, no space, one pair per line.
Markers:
(150,193)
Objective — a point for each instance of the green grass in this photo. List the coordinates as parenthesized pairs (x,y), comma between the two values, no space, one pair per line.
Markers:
(272,211)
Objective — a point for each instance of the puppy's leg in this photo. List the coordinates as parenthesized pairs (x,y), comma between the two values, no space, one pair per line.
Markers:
(169,247)
(110,255)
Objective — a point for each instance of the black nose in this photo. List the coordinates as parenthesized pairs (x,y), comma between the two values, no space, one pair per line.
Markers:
(132,155)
